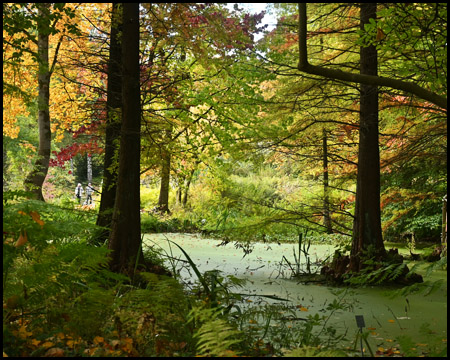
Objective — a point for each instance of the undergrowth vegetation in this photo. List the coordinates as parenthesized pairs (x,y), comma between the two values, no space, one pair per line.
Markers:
(61,299)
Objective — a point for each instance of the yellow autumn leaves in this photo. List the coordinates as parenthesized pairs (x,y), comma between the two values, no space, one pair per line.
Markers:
(301,308)
(71,77)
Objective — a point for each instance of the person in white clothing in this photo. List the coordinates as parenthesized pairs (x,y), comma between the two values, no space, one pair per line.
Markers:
(78,192)
(89,191)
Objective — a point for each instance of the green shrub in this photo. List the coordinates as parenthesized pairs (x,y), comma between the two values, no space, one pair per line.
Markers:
(154,223)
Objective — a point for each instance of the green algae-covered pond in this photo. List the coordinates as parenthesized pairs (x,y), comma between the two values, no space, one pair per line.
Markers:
(422,318)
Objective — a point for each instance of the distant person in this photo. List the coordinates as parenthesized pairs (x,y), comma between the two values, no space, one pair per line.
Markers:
(89,191)
(78,192)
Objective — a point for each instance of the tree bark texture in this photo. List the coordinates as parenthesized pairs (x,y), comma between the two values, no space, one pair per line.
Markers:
(188,185)
(89,168)
(37,176)
(113,121)
(125,237)
(367,222)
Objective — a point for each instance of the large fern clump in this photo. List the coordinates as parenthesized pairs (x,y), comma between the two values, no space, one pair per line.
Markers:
(54,282)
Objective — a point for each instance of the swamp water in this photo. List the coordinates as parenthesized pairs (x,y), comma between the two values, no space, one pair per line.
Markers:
(385,317)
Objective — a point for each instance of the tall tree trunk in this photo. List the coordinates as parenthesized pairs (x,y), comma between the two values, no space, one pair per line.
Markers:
(113,121)
(326,200)
(188,185)
(180,182)
(89,168)
(5,168)
(125,237)
(444,227)
(178,195)
(163,201)
(367,222)
(37,176)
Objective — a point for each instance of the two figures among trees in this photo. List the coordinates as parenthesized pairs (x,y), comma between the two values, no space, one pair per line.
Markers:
(79,191)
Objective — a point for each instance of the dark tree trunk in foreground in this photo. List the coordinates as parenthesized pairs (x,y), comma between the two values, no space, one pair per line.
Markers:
(367,234)
(36,178)
(125,237)
(367,222)
(114,114)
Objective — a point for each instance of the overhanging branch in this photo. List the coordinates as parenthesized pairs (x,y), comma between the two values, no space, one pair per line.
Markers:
(408,87)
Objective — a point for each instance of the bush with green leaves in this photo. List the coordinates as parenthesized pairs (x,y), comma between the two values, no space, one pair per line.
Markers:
(157,223)
(411,199)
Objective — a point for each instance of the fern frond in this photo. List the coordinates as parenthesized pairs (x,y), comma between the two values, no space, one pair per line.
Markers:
(441,264)
(397,271)
(215,338)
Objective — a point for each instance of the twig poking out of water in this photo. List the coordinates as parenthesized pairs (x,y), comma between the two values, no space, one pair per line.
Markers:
(379,324)
(395,317)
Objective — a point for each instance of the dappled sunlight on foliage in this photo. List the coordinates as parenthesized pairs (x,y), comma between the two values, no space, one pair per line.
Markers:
(296,152)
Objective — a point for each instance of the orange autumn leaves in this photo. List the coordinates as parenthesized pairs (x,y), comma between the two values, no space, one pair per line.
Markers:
(23,237)
(62,344)
(68,94)
(35,216)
